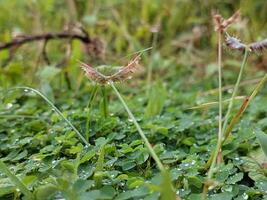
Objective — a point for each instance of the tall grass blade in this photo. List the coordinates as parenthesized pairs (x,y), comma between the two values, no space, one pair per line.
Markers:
(55,109)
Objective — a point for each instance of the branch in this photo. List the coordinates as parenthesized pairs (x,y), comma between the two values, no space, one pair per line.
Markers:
(84,38)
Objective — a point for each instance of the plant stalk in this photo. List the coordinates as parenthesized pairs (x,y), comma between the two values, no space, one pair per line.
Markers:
(104,102)
(150,66)
(230,106)
(243,108)
(92,97)
(140,131)
(219,140)
(57,111)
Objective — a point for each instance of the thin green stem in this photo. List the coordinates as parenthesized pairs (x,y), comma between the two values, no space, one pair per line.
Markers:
(220,84)
(219,140)
(148,145)
(57,110)
(104,102)
(15,180)
(150,66)
(217,150)
(230,106)
(243,108)
(89,105)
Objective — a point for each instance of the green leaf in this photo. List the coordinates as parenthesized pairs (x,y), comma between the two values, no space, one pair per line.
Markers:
(262,138)
(46,191)
(235,178)
(107,192)
(167,191)
(136,193)
(157,98)
(221,196)
(88,156)
(6,190)
(194,180)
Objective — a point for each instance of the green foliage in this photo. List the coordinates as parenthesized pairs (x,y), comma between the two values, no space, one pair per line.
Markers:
(157,97)
(262,137)
(40,147)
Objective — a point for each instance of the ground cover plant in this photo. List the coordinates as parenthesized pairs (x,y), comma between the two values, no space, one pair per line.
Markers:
(133,100)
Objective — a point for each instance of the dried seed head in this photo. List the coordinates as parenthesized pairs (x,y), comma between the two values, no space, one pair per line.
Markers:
(93,74)
(234,43)
(126,71)
(222,24)
(258,46)
(121,75)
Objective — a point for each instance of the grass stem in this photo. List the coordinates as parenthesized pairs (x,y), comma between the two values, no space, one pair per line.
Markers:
(150,66)
(148,145)
(89,106)
(56,110)
(219,140)
(243,108)
(230,106)
(220,84)
(104,102)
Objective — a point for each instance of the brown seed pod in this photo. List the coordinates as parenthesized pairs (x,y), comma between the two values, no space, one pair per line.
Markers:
(222,24)
(126,71)
(121,75)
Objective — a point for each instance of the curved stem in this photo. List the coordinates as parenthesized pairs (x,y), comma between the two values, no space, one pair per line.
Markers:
(230,106)
(225,131)
(140,131)
(55,109)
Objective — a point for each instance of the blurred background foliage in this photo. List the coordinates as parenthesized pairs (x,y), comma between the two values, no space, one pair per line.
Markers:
(184,29)
(35,141)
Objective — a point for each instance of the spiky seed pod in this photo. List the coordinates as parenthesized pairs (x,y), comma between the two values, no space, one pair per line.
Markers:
(121,75)
(234,43)
(258,46)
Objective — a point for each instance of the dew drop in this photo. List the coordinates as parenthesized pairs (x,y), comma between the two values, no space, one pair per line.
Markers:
(245,196)
(9,105)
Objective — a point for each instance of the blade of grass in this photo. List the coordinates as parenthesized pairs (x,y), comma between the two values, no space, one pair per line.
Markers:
(90,102)
(230,106)
(243,108)
(55,109)
(104,104)
(150,66)
(227,87)
(4,169)
(229,110)
(214,103)
(219,140)
(98,175)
